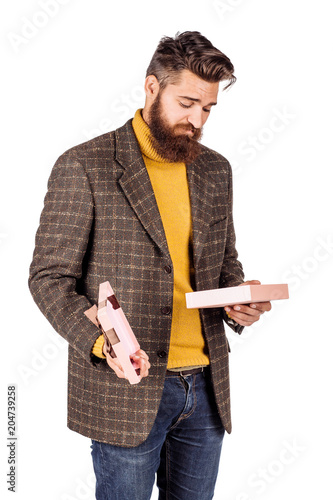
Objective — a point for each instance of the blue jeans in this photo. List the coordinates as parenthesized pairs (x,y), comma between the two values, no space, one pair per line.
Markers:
(183,448)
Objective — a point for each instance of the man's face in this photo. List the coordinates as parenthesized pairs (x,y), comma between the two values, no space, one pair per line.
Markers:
(178,114)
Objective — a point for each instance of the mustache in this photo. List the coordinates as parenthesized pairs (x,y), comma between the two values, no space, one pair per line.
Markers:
(188,127)
(197,132)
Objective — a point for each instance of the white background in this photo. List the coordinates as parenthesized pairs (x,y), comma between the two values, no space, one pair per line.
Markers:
(78,71)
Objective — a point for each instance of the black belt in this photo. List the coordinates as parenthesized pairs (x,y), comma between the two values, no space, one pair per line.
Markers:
(185,373)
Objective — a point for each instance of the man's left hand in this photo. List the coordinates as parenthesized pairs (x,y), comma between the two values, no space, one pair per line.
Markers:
(247,314)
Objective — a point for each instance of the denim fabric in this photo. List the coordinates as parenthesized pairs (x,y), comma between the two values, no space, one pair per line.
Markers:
(183,448)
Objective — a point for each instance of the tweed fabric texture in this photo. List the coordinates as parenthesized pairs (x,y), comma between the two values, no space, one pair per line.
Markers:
(100,222)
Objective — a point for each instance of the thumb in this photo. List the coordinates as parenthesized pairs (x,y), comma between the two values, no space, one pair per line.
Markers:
(251,282)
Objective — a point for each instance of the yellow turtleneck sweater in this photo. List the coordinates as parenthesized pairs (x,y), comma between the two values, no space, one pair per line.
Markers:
(169,182)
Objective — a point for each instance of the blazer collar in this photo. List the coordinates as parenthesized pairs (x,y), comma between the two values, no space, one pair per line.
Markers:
(137,188)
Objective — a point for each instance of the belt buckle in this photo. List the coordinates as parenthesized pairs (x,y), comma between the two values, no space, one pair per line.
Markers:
(186,373)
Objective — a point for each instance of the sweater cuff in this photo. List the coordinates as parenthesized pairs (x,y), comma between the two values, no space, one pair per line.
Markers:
(97,349)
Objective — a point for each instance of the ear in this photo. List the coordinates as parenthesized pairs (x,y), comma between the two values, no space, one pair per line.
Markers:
(151,87)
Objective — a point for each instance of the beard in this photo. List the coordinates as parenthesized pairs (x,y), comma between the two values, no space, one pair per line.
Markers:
(172,146)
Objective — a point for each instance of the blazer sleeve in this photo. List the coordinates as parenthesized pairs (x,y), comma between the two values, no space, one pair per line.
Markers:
(61,243)
(232,270)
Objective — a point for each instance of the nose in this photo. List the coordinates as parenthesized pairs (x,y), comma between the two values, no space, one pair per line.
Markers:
(197,118)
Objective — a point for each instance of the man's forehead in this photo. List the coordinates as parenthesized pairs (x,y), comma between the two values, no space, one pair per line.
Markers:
(191,86)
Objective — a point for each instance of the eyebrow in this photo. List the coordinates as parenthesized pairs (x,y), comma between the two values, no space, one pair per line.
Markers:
(196,100)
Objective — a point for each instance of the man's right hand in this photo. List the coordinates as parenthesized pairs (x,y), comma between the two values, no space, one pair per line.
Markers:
(140,357)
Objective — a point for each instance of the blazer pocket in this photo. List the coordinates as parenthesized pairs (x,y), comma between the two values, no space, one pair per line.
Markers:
(217,220)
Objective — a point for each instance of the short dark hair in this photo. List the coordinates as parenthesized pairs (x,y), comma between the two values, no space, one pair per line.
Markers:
(192,51)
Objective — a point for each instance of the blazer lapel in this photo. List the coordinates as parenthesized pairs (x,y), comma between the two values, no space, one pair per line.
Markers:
(136,185)
(201,187)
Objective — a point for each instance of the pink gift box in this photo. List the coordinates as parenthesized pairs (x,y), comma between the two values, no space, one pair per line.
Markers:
(111,318)
(244,294)
(118,330)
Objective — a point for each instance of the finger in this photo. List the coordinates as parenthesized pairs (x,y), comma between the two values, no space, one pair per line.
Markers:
(142,359)
(144,367)
(245,316)
(262,306)
(143,364)
(251,282)
(142,353)
(136,359)
(244,319)
(140,367)
(244,309)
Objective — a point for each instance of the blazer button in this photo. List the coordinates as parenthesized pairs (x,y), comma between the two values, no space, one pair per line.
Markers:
(161,354)
(167,269)
(166,310)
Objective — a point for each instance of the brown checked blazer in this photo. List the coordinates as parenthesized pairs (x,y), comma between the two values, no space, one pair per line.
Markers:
(101,222)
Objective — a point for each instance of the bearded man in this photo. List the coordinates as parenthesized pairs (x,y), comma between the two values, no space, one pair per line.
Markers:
(148,208)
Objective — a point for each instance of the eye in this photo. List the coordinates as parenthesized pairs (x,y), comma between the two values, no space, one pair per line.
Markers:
(207,110)
(184,105)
